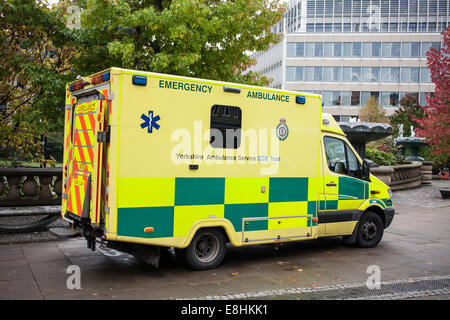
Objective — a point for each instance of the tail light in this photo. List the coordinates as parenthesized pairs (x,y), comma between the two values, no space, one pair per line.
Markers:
(76,86)
(100,78)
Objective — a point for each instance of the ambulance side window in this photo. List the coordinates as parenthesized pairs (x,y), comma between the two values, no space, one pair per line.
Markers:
(340,158)
(225,127)
(335,152)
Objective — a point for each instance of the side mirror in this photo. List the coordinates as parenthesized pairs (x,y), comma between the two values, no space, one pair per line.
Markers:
(365,170)
(339,167)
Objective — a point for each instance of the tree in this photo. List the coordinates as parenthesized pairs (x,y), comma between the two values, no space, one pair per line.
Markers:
(373,112)
(33,73)
(198,38)
(409,110)
(435,125)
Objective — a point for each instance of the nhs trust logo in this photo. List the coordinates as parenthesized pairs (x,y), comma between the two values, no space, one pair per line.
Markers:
(150,121)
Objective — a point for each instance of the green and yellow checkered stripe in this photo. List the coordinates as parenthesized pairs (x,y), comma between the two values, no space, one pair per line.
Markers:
(172,205)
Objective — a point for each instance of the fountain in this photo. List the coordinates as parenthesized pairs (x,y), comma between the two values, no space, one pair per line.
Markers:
(412,142)
(359,133)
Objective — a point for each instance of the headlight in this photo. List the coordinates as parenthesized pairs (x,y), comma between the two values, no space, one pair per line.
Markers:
(390,192)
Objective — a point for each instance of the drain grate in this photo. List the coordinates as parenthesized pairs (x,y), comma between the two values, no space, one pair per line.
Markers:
(396,289)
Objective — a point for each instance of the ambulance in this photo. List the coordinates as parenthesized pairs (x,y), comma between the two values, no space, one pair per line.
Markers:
(154,161)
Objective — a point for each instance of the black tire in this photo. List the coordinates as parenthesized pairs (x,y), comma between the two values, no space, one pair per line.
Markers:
(370,230)
(206,250)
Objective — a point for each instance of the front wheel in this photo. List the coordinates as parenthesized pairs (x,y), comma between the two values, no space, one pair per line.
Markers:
(370,230)
(206,251)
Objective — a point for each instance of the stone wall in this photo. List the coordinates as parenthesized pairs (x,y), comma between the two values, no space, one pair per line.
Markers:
(30,186)
(405,176)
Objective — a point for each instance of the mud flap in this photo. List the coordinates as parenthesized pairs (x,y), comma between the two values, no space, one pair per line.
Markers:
(351,239)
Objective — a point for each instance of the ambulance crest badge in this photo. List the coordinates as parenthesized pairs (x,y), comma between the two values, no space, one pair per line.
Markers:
(282,130)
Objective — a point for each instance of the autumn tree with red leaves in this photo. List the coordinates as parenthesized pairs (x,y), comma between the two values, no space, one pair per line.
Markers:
(435,125)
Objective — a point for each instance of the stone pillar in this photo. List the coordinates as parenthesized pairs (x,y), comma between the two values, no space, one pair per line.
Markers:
(426,171)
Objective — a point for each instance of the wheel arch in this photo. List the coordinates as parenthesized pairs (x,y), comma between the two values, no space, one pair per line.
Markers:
(222,224)
(377,210)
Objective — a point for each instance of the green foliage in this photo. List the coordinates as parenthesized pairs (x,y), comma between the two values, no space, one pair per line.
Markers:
(381,158)
(409,108)
(197,38)
(33,74)
(440,160)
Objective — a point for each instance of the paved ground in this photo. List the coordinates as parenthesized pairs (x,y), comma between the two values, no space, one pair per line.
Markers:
(416,245)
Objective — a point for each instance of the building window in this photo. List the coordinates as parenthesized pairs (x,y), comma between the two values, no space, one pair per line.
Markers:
(422,98)
(317,73)
(355,98)
(328,74)
(347,27)
(356,49)
(376,49)
(425,75)
(393,27)
(410,49)
(366,49)
(346,98)
(393,99)
(337,73)
(291,49)
(347,49)
(309,49)
(328,49)
(423,27)
(336,98)
(309,73)
(386,50)
(328,98)
(337,50)
(347,74)
(338,27)
(318,50)
(409,75)
(427,45)
(431,26)
(356,74)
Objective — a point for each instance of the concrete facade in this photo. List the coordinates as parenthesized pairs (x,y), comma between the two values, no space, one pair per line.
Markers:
(316,32)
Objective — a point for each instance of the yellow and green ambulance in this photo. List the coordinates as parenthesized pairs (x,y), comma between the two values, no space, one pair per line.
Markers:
(154,160)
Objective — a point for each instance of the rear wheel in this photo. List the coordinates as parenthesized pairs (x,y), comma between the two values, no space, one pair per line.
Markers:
(370,230)
(206,250)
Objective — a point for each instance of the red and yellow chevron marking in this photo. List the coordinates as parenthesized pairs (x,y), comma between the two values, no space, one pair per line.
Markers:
(83,152)
(67,156)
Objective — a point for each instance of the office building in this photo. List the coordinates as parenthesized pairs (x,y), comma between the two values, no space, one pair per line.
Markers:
(349,50)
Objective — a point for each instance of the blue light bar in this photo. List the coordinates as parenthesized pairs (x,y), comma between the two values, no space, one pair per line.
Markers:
(139,80)
(300,99)
(106,76)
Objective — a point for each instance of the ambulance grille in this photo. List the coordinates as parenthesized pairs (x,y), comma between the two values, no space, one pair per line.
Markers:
(388,290)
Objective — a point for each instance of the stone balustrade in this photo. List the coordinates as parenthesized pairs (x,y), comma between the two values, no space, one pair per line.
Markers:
(405,176)
(30,186)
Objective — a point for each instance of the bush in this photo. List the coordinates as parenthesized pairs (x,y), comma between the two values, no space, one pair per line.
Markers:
(381,158)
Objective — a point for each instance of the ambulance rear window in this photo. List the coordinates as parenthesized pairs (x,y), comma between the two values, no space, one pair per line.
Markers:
(225,127)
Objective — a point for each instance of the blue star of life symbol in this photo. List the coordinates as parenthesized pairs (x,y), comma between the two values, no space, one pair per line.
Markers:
(150,122)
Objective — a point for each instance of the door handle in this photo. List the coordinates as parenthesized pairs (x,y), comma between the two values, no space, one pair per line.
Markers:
(331,184)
